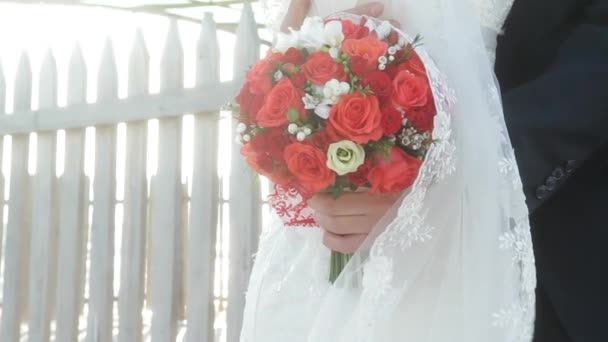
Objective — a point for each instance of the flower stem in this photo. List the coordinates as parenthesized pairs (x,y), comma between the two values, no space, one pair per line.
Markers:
(338,262)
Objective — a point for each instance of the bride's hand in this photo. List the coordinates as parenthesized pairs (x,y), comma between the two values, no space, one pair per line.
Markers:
(298,9)
(347,221)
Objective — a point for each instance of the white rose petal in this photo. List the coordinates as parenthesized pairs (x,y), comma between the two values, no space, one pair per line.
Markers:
(345,157)
(370,25)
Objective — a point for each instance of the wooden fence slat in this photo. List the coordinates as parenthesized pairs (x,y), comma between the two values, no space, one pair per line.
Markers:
(2,111)
(172,103)
(99,326)
(167,204)
(73,205)
(245,213)
(204,200)
(133,254)
(44,235)
(18,226)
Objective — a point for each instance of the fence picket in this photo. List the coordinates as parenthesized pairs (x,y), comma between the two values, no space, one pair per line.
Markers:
(18,225)
(44,236)
(2,180)
(245,215)
(72,210)
(204,199)
(133,254)
(99,326)
(167,203)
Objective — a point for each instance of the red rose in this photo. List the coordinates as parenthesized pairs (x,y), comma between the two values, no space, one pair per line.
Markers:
(359,177)
(271,142)
(293,56)
(289,68)
(320,68)
(283,97)
(298,80)
(322,140)
(266,166)
(249,103)
(260,77)
(409,90)
(369,48)
(309,166)
(379,82)
(422,117)
(354,31)
(393,38)
(414,64)
(393,174)
(358,65)
(357,117)
(391,120)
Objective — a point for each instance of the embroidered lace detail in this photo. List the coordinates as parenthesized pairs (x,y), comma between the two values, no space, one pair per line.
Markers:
(290,204)
(492,13)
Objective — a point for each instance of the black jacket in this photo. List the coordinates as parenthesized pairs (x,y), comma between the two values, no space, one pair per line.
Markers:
(552,64)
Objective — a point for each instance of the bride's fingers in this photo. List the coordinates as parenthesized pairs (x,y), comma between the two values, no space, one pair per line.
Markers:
(295,14)
(345,225)
(352,203)
(343,243)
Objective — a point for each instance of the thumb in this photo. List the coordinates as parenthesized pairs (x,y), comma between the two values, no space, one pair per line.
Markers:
(297,11)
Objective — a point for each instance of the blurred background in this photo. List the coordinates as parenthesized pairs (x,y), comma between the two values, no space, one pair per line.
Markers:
(127,212)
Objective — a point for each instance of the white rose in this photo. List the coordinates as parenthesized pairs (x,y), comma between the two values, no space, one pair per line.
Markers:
(345,157)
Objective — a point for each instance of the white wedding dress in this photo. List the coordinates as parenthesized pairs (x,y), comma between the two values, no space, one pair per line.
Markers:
(453,260)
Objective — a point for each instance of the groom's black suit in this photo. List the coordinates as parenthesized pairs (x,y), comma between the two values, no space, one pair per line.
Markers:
(552,63)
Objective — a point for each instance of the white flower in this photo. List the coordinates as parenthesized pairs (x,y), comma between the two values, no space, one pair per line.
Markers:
(301,136)
(384,30)
(345,157)
(246,138)
(312,34)
(392,50)
(278,75)
(333,34)
(370,25)
(334,53)
(307,130)
(382,60)
(292,128)
(241,127)
(286,41)
(310,102)
(334,89)
(322,111)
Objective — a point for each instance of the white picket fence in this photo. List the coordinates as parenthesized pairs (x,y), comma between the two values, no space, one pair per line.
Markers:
(59,243)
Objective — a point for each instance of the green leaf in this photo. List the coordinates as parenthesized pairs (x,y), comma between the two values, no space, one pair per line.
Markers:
(293,115)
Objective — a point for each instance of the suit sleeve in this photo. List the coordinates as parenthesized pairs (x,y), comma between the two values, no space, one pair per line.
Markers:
(560,119)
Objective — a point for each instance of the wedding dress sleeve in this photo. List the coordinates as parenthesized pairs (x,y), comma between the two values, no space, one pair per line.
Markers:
(560,119)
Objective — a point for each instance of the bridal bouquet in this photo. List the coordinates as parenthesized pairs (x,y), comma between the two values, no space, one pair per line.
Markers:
(339,105)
